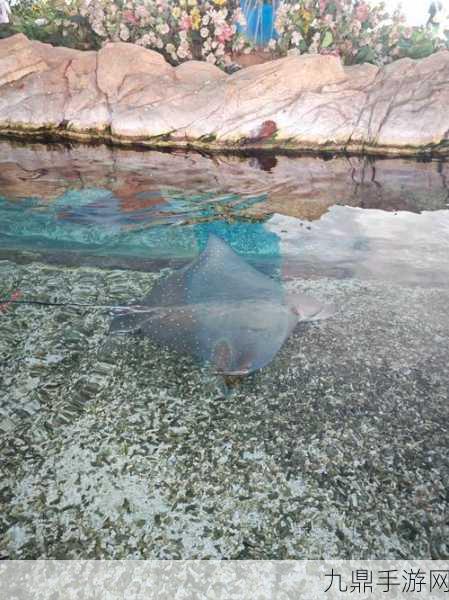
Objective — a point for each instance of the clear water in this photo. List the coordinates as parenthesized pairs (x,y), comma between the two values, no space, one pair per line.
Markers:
(117,448)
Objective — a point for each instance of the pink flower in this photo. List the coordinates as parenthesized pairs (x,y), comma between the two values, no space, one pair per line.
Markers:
(129,16)
(185,23)
(141,12)
(323,4)
(362,12)
(224,34)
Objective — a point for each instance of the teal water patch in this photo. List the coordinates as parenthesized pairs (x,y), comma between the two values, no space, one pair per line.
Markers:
(163,224)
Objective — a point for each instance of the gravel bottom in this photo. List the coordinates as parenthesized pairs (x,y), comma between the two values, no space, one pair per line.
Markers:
(112,448)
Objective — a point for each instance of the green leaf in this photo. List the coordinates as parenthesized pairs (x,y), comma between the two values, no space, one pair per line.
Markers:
(421,50)
(327,40)
(365,55)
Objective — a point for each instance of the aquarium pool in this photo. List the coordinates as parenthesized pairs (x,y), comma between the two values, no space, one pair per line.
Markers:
(115,448)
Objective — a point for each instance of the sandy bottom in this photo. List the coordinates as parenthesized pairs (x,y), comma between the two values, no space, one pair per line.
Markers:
(112,448)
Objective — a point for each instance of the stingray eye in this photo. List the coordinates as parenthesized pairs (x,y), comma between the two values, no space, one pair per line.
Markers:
(246,362)
(296,310)
(222,355)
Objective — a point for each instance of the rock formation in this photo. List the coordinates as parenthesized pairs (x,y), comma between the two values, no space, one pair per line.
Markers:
(130,95)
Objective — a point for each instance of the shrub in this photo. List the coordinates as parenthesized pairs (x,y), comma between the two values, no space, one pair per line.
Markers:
(353,29)
(211,30)
(179,29)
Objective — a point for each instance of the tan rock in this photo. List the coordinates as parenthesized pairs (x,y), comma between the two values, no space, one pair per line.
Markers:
(118,61)
(37,101)
(196,73)
(131,94)
(54,55)
(86,106)
(17,59)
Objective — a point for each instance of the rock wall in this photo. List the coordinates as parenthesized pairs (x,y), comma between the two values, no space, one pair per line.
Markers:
(130,95)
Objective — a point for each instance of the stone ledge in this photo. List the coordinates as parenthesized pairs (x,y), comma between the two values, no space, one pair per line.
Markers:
(127,95)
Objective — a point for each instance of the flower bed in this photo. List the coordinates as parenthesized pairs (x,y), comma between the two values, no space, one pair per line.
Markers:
(214,30)
(355,30)
(179,29)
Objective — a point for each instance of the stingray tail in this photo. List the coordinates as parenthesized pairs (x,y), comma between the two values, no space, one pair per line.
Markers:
(326,312)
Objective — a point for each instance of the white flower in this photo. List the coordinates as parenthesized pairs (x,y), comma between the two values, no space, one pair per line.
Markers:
(163,28)
(296,38)
(41,22)
(211,58)
(124,32)
(239,17)
(204,32)
(170,48)
(206,20)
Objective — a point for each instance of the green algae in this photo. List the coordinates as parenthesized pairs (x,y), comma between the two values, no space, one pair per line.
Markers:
(209,144)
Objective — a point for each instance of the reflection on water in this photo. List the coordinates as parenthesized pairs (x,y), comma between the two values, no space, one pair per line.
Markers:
(342,217)
(399,247)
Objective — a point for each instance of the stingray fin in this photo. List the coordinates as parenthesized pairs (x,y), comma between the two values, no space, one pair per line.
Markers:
(310,309)
(129,320)
(326,312)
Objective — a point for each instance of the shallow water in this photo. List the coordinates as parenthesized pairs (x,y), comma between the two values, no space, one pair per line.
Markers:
(113,447)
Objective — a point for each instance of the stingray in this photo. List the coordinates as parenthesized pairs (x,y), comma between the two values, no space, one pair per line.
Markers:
(221,311)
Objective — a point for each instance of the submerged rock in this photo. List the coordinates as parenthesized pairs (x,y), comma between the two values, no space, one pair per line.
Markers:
(128,94)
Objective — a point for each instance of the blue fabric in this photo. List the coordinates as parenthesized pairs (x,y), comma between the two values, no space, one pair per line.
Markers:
(259,23)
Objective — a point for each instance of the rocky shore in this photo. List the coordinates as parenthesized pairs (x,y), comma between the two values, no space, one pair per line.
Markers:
(129,95)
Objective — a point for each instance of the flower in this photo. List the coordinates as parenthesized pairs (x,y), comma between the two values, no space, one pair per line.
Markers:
(195,18)
(224,34)
(141,12)
(129,16)
(296,38)
(185,23)
(362,12)
(124,32)
(163,28)
(357,30)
